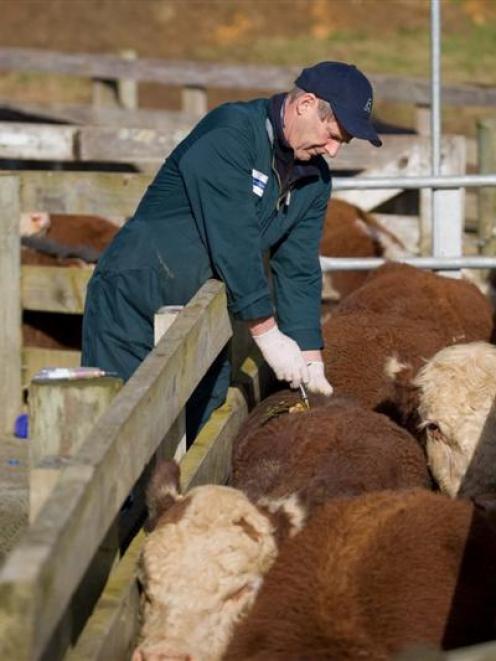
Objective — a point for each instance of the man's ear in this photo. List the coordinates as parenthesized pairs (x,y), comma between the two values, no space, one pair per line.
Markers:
(305,102)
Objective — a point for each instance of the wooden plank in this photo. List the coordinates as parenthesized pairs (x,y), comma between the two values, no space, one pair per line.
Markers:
(400,155)
(127,145)
(174,443)
(10,310)
(35,358)
(406,228)
(104,93)
(102,116)
(209,458)
(40,575)
(194,100)
(214,74)
(487,196)
(109,194)
(61,414)
(127,90)
(111,630)
(148,145)
(36,141)
(408,156)
(54,288)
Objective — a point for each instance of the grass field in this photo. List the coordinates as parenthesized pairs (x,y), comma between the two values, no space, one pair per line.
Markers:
(380,36)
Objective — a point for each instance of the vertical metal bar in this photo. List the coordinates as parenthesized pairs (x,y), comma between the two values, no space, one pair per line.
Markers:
(447,206)
(435,124)
(436,85)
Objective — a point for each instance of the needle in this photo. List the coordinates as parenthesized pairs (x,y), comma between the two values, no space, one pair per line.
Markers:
(304,396)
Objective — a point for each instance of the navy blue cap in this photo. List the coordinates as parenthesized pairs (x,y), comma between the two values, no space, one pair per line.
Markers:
(349,93)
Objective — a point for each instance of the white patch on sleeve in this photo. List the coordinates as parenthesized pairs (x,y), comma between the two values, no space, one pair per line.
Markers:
(259,181)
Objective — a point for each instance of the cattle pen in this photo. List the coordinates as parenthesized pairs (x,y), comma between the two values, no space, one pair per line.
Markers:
(41,575)
(67,589)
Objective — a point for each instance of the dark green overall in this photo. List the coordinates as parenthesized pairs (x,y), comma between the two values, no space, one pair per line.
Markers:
(213,209)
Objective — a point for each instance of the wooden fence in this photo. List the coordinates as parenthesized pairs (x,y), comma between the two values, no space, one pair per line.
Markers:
(45,288)
(200,75)
(115,196)
(42,573)
(47,142)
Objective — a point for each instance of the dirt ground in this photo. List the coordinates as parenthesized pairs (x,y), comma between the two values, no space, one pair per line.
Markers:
(189,28)
(13,490)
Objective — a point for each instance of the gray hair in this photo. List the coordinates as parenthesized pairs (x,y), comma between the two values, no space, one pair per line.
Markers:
(324,108)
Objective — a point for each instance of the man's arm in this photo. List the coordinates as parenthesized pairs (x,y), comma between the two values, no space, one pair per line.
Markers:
(217,173)
(297,277)
(298,289)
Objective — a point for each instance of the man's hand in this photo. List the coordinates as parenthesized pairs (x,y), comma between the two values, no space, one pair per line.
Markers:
(282,354)
(317,382)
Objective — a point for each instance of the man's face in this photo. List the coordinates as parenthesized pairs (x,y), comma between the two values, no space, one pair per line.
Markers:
(308,134)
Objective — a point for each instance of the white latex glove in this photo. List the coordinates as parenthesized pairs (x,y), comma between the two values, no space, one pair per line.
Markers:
(318,382)
(284,356)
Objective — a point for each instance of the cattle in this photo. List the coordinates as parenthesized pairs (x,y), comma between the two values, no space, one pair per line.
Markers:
(373,357)
(378,338)
(59,240)
(406,291)
(202,564)
(63,239)
(351,232)
(337,448)
(457,393)
(372,575)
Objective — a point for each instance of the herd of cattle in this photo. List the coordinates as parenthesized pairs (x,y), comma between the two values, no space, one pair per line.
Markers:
(362,526)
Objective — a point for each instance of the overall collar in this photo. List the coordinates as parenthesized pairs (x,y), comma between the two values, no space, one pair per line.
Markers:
(288,169)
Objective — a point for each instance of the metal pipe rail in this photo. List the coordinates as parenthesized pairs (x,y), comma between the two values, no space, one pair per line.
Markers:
(435,263)
(445,182)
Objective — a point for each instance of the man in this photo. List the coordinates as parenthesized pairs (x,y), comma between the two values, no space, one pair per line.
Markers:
(249,178)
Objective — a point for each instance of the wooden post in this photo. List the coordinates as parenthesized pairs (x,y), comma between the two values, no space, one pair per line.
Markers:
(127,90)
(194,100)
(176,436)
(104,92)
(116,92)
(39,576)
(10,303)
(240,346)
(486,133)
(62,412)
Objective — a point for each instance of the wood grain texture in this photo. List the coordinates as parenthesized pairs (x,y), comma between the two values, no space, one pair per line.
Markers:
(211,74)
(42,572)
(10,309)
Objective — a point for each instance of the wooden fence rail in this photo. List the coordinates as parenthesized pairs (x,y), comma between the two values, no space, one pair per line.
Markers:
(203,74)
(41,573)
(138,145)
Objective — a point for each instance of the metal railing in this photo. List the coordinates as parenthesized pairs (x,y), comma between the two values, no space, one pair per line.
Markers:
(446,193)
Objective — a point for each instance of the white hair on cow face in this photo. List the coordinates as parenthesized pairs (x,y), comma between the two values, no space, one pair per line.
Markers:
(457,388)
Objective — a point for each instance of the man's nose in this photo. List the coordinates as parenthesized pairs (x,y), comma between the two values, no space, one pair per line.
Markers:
(332,148)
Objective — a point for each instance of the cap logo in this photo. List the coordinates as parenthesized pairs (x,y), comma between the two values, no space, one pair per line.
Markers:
(368,106)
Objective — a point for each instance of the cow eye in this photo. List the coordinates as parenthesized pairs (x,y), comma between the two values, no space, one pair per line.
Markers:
(434,431)
(432,427)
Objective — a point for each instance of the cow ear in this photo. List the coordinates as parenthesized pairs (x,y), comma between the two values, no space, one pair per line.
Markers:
(162,491)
